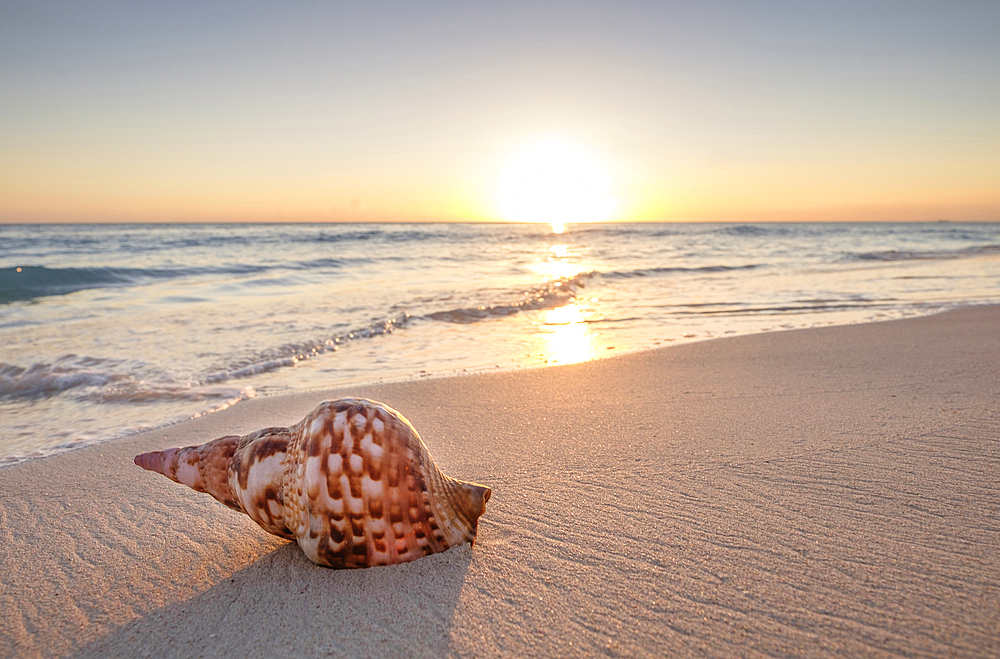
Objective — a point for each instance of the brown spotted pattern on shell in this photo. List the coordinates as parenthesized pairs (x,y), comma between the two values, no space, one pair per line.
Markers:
(352,483)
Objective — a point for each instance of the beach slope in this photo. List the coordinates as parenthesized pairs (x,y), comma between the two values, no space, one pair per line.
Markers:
(823,492)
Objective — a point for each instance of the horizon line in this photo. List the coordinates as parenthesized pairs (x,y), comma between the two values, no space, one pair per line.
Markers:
(5,222)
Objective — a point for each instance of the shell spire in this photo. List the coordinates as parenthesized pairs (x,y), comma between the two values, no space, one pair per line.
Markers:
(203,468)
(352,483)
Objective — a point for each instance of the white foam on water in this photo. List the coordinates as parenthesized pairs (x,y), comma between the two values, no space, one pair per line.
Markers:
(92,349)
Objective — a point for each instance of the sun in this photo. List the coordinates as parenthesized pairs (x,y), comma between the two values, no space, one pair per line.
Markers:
(554,182)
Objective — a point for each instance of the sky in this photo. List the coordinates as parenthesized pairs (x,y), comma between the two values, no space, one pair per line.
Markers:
(326,111)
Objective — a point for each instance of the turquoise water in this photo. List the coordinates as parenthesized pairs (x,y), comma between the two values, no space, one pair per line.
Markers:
(107,330)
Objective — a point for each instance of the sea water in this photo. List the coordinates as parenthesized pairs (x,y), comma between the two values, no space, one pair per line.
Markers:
(108,330)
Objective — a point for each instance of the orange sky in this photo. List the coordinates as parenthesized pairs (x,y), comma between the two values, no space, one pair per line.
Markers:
(302,112)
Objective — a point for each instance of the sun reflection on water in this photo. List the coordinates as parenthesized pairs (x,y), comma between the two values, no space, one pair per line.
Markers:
(559,264)
(567,338)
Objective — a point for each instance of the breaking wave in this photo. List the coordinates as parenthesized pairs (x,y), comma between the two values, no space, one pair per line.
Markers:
(102,381)
(914,255)
(35,281)
(553,294)
(548,296)
(649,272)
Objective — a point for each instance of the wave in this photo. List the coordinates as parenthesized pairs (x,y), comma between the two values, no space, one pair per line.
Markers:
(292,353)
(114,381)
(386,234)
(549,296)
(751,230)
(922,255)
(668,229)
(43,380)
(553,294)
(35,281)
(118,382)
(649,272)
(111,381)
(196,402)
(27,282)
(100,380)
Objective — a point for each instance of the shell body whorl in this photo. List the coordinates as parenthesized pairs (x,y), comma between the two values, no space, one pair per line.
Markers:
(352,483)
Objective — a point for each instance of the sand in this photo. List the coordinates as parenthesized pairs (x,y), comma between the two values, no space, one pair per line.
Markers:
(824,492)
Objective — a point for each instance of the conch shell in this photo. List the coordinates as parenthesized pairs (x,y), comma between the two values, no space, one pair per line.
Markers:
(352,483)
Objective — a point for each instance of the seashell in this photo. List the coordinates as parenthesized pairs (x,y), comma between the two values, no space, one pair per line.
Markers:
(352,483)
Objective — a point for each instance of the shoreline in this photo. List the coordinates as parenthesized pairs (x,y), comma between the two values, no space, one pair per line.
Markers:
(68,447)
(826,492)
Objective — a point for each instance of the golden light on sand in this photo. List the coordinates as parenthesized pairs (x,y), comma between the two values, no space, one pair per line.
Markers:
(567,338)
(556,183)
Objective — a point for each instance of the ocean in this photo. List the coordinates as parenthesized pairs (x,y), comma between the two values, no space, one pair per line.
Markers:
(109,330)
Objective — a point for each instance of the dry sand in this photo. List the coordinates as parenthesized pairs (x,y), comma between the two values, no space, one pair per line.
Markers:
(828,492)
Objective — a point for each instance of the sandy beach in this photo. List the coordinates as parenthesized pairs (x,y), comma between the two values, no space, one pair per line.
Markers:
(822,492)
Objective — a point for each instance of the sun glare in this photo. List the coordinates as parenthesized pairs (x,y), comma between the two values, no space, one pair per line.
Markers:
(557,183)
(567,338)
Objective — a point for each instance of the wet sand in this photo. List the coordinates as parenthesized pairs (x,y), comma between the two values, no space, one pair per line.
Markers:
(824,492)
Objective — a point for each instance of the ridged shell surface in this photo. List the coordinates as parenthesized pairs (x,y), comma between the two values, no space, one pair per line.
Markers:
(352,483)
